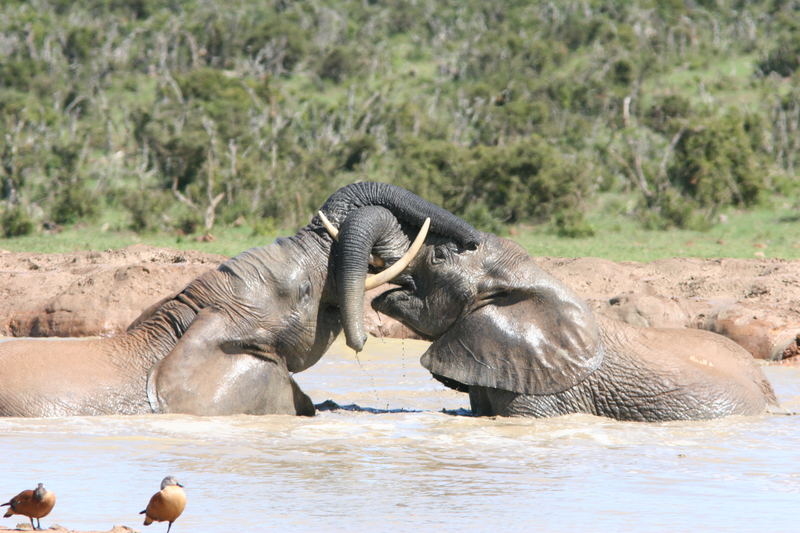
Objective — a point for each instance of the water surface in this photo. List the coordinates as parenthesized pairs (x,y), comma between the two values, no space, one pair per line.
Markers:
(408,466)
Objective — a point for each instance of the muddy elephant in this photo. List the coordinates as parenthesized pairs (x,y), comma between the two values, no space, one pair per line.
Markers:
(228,342)
(523,344)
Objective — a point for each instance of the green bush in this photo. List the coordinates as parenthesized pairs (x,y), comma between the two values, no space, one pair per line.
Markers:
(528,181)
(356,150)
(73,203)
(80,43)
(264,226)
(20,73)
(15,222)
(189,223)
(570,223)
(480,216)
(671,210)
(667,113)
(145,209)
(337,64)
(716,164)
(223,98)
(177,155)
(623,73)
(783,59)
(279,30)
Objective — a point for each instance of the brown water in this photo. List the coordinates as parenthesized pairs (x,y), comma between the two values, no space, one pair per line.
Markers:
(416,468)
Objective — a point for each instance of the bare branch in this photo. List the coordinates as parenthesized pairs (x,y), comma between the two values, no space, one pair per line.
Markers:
(662,167)
(180,196)
(639,176)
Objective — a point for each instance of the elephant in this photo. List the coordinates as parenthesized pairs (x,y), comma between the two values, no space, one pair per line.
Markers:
(521,343)
(229,342)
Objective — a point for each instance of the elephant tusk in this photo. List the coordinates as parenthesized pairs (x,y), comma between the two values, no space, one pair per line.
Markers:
(387,275)
(374,261)
(328,226)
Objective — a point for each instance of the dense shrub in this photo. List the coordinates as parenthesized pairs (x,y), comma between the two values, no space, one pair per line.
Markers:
(502,112)
(668,113)
(73,202)
(278,35)
(337,64)
(784,58)
(670,209)
(716,164)
(15,222)
(529,180)
(145,209)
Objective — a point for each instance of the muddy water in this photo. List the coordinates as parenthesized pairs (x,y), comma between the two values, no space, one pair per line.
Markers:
(411,467)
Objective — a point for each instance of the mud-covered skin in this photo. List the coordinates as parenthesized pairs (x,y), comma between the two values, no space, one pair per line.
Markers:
(522,344)
(225,344)
(625,387)
(229,341)
(261,315)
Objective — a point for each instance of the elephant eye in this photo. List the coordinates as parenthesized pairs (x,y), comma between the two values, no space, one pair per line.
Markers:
(439,254)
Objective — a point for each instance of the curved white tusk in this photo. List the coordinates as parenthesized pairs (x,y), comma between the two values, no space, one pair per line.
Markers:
(387,275)
(328,226)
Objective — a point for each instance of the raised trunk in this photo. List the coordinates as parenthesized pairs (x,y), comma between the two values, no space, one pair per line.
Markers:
(367,229)
(363,229)
(404,205)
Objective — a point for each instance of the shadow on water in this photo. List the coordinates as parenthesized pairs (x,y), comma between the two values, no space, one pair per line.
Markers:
(330,405)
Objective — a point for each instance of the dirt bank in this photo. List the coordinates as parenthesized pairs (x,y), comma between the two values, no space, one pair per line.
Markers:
(755,302)
(25,526)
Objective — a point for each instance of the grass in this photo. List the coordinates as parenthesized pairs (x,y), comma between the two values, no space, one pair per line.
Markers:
(768,232)
(727,81)
(227,241)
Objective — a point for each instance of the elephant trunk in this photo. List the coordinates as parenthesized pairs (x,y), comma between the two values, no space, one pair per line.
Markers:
(404,204)
(359,233)
(367,228)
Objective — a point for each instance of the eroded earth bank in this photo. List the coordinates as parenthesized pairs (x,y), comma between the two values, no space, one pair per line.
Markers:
(756,302)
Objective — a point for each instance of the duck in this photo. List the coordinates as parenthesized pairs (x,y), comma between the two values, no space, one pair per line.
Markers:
(36,503)
(167,504)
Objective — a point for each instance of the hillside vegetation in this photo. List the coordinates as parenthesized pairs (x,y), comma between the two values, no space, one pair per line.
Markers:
(180,115)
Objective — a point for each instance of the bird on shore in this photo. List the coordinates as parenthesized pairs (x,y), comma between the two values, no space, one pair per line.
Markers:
(36,503)
(167,504)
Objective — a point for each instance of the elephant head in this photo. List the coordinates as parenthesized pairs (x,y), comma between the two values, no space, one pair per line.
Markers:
(521,343)
(496,319)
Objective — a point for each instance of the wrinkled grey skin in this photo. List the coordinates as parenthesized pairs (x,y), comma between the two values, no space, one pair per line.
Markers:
(522,344)
(230,340)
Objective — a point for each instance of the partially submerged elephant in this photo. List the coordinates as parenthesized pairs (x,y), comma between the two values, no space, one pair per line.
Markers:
(522,344)
(230,340)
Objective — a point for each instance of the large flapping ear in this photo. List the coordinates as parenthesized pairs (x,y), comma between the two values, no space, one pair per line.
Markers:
(535,338)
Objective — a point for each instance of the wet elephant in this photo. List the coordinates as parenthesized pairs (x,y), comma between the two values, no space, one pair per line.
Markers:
(523,344)
(230,341)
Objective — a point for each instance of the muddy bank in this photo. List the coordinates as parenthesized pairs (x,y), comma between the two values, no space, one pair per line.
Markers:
(756,302)
(61,529)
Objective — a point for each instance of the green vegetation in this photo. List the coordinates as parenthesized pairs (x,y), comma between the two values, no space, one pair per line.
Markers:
(769,232)
(173,118)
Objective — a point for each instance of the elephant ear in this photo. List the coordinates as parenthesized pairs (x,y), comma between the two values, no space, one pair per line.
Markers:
(528,344)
